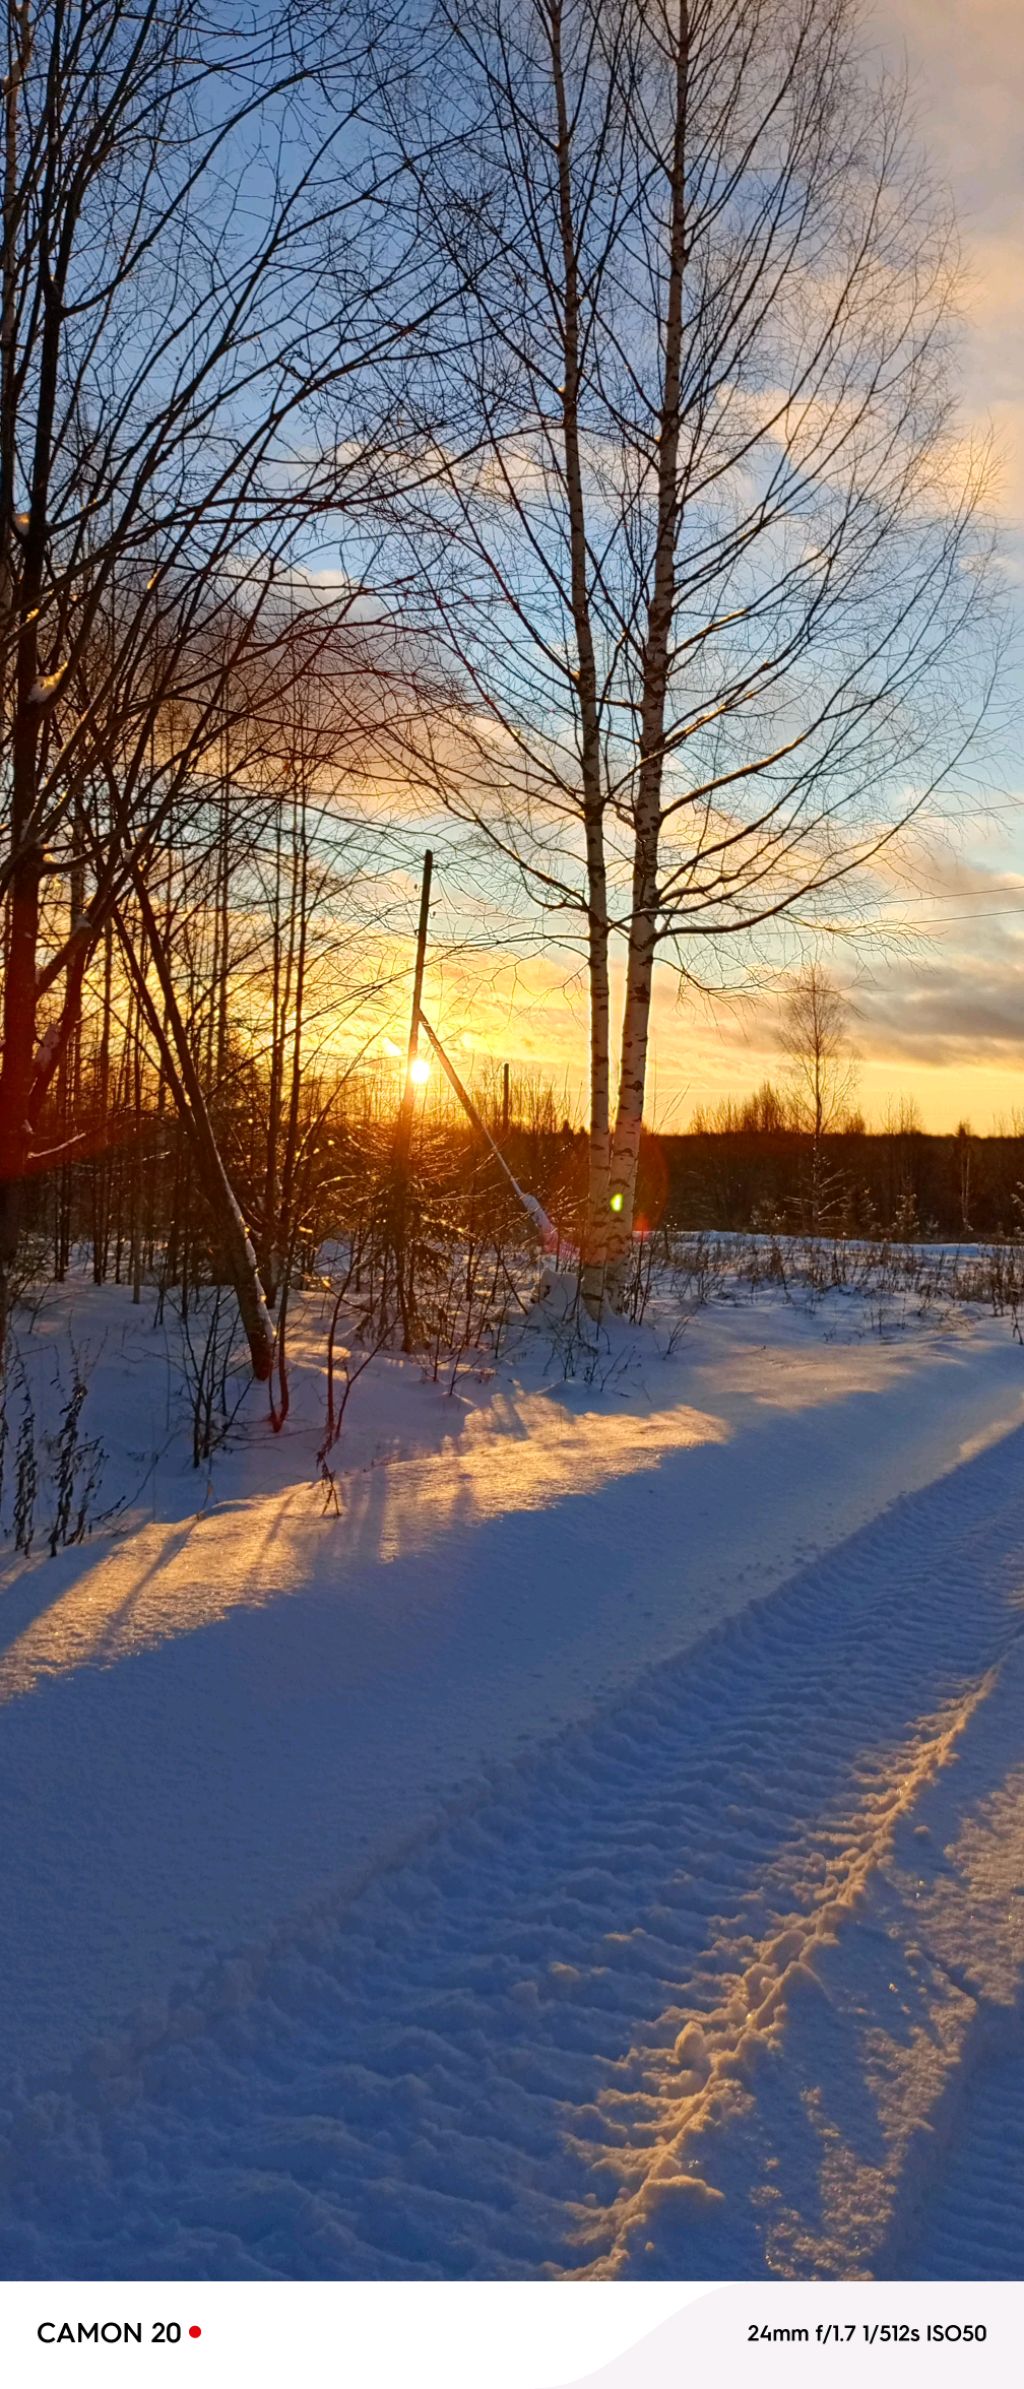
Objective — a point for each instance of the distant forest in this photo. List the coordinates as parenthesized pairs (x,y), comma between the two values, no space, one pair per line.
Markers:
(899,1183)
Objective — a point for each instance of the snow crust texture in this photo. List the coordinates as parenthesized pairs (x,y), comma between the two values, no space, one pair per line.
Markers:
(723,1983)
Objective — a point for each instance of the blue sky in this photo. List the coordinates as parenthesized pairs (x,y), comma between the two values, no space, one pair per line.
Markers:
(938,984)
(938,987)
(943,1013)
(940,999)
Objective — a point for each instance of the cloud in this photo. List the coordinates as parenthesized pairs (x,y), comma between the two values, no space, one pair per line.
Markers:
(967,67)
(947,1013)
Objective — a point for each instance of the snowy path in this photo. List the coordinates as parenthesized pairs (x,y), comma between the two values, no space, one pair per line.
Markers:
(217,1719)
(724,1982)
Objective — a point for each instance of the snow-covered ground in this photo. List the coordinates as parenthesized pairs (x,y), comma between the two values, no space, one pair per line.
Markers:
(596,1850)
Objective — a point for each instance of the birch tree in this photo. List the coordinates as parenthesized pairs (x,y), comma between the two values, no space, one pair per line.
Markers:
(702,534)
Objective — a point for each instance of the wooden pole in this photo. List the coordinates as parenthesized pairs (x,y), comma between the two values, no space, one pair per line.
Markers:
(548,1232)
(504,1099)
(403,1132)
(421,951)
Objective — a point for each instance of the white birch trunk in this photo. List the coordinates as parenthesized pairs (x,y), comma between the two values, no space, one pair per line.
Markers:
(643,931)
(630,1110)
(594,1242)
(594,1254)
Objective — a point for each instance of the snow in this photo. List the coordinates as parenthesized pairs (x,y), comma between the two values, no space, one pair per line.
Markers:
(593,1852)
(46,686)
(546,1229)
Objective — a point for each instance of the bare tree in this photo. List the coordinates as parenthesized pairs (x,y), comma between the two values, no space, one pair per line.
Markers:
(816,1039)
(700,534)
(176,178)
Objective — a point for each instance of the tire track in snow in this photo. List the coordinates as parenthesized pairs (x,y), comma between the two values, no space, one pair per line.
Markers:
(715,2054)
(523,2050)
(961,2209)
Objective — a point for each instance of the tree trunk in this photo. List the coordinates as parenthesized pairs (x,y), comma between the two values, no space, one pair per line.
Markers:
(216,1185)
(632,1072)
(595,1235)
(16,1073)
(643,932)
(595,1250)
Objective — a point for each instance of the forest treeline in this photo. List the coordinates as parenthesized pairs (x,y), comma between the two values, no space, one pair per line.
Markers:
(132,1211)
(895,1183)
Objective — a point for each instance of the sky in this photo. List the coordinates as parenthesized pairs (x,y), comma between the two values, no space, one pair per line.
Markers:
(937,989)
(941,1015)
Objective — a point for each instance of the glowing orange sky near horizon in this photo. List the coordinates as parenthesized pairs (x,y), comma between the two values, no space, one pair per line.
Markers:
(533,1015)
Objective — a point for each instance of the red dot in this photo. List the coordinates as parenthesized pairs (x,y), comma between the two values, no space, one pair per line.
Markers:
(195,2331)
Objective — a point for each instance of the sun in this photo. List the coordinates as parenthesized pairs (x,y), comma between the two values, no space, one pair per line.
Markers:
(419,1071)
